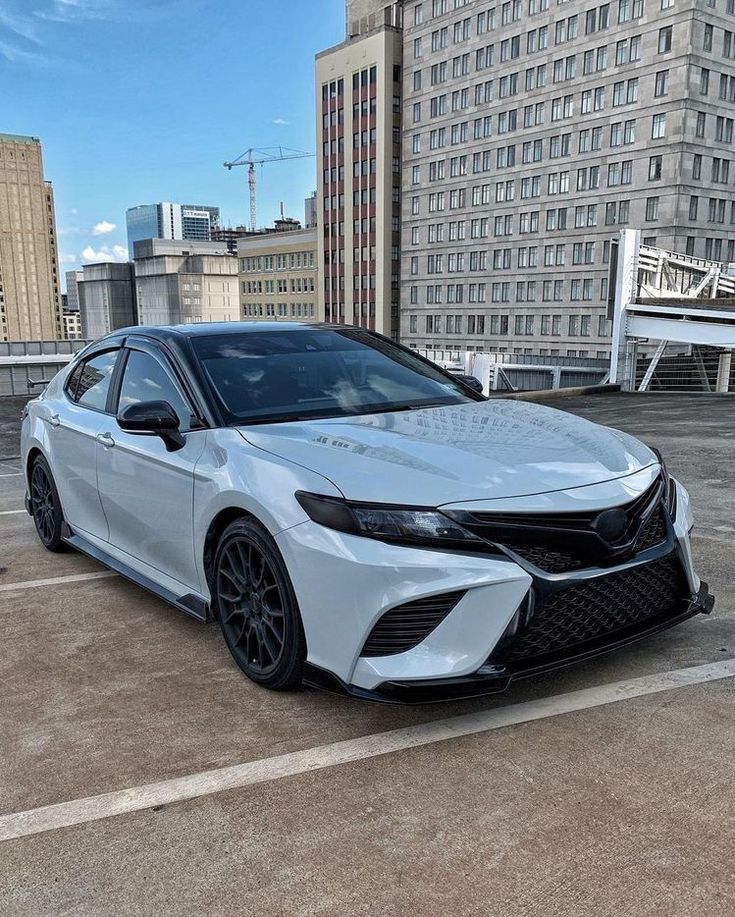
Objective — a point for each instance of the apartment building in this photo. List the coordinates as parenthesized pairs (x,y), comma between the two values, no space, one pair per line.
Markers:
(30,294)
(359,106)
(532,131)
(182,282)
(105,293)
(535,129)
(279,277)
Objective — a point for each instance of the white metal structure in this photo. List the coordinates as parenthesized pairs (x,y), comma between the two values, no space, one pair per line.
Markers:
(353,516)
(667,298)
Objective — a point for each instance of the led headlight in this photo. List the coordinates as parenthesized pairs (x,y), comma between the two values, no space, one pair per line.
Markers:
(389,523)
(669,485)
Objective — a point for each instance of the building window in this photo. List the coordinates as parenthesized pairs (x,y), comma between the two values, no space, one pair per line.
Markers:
(664,39)
(651,209)
(655,168)
(658,126)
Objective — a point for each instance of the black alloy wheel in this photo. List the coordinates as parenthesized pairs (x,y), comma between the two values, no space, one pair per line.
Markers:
(45,506)
(256,607)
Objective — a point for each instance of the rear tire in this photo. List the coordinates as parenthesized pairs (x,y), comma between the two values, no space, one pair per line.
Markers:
(46,506)
(255,604)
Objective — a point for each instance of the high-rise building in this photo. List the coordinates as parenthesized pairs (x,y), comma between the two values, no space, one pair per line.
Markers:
(532,131)
(181,282)
(171,221)
(106,294)
(311,211)
(278,276)
(30,295)
(73,278)
(358,96)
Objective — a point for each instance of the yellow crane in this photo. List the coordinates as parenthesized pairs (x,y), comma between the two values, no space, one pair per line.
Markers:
(252,158)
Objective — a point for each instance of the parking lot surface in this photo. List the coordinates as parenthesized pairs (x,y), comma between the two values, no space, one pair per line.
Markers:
(609,808)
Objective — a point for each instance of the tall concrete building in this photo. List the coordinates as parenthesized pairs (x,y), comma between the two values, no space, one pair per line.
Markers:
(30,294)
(182,282)
(532,131)
(193,222)
(278,276)
(358,100)
(106,296)
(311,211)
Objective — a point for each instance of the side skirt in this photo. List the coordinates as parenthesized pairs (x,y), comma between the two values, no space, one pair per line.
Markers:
(191,604)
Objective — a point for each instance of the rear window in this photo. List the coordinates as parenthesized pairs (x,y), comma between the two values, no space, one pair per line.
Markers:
(271,376)
(89,384)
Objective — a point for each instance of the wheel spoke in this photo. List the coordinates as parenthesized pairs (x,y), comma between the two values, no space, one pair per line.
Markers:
(268,646)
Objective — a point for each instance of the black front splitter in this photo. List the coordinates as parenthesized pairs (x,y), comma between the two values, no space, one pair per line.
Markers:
(469,686)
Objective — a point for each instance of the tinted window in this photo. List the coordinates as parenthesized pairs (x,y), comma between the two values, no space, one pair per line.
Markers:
(145,379)
(94,381)
(263,376)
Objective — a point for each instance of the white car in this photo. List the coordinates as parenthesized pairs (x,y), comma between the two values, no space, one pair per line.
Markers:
(351,515)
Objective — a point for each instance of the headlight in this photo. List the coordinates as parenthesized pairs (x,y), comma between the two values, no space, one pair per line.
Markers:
(669,485)
(389,523)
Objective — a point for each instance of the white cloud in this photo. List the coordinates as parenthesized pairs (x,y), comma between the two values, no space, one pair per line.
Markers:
(103,228)
(280,121)
(106,253)
(68,259)
(17,55)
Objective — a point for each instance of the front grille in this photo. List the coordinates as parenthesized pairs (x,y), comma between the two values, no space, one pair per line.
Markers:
(545,558)
(589,611)
(405,626)
(565,542)
(653,532)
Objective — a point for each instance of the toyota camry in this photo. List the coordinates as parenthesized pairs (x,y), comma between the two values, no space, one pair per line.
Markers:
(351,515)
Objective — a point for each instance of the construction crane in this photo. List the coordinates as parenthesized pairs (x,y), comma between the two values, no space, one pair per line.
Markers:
(252,158)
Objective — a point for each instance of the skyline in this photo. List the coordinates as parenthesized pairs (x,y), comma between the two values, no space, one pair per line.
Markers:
(187,116)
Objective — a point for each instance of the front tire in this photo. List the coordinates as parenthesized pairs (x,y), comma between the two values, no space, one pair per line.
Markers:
(255,605)
(46,506)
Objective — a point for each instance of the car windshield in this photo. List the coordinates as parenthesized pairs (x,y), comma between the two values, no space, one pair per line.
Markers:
(271,376)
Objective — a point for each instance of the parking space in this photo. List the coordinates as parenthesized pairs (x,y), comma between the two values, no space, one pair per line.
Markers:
(625,807)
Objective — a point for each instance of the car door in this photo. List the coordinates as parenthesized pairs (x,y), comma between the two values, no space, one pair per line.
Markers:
(78,417)
(147,492)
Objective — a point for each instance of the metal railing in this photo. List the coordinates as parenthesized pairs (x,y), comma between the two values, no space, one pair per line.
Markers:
(26,366)
(523,372)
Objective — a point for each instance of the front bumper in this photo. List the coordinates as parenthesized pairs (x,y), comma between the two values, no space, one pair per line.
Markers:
(346,584)
(482,683)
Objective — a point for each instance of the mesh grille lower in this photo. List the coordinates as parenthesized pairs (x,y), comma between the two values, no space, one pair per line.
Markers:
(593,609)
(654,532)
(405,626)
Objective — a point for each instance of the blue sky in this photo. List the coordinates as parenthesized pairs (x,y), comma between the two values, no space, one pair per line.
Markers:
(137,101)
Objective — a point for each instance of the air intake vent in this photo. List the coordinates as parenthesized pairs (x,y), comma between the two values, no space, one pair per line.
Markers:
(405,626)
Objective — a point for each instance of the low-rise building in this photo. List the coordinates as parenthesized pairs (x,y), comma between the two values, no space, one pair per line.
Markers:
(106,294)
(72,324)
(278,276)
(182,282)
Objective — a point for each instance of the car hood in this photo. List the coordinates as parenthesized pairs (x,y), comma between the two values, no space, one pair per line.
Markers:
(478,451)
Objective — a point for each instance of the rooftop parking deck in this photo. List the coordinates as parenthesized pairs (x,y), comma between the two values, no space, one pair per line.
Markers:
(538,806)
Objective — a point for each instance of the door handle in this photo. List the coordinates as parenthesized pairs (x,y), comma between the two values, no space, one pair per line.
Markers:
(105,439)
(54,420)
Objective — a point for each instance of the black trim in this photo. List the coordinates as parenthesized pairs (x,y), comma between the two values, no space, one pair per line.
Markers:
(193,605)
(477,685)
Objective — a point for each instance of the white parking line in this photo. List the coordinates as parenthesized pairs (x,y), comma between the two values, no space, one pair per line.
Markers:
(135,799)
(11,474)
(12,512)
(55,581)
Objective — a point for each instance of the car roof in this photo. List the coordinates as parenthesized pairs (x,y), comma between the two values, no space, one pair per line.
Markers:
(204,329)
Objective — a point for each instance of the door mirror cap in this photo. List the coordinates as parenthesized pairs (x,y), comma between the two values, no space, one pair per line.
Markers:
(152,418)
(470,381)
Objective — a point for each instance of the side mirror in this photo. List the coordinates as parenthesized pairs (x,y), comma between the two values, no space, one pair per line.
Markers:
(470,382)
(153,418)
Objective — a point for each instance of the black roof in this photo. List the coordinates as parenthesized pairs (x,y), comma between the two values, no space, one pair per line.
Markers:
(203,329)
